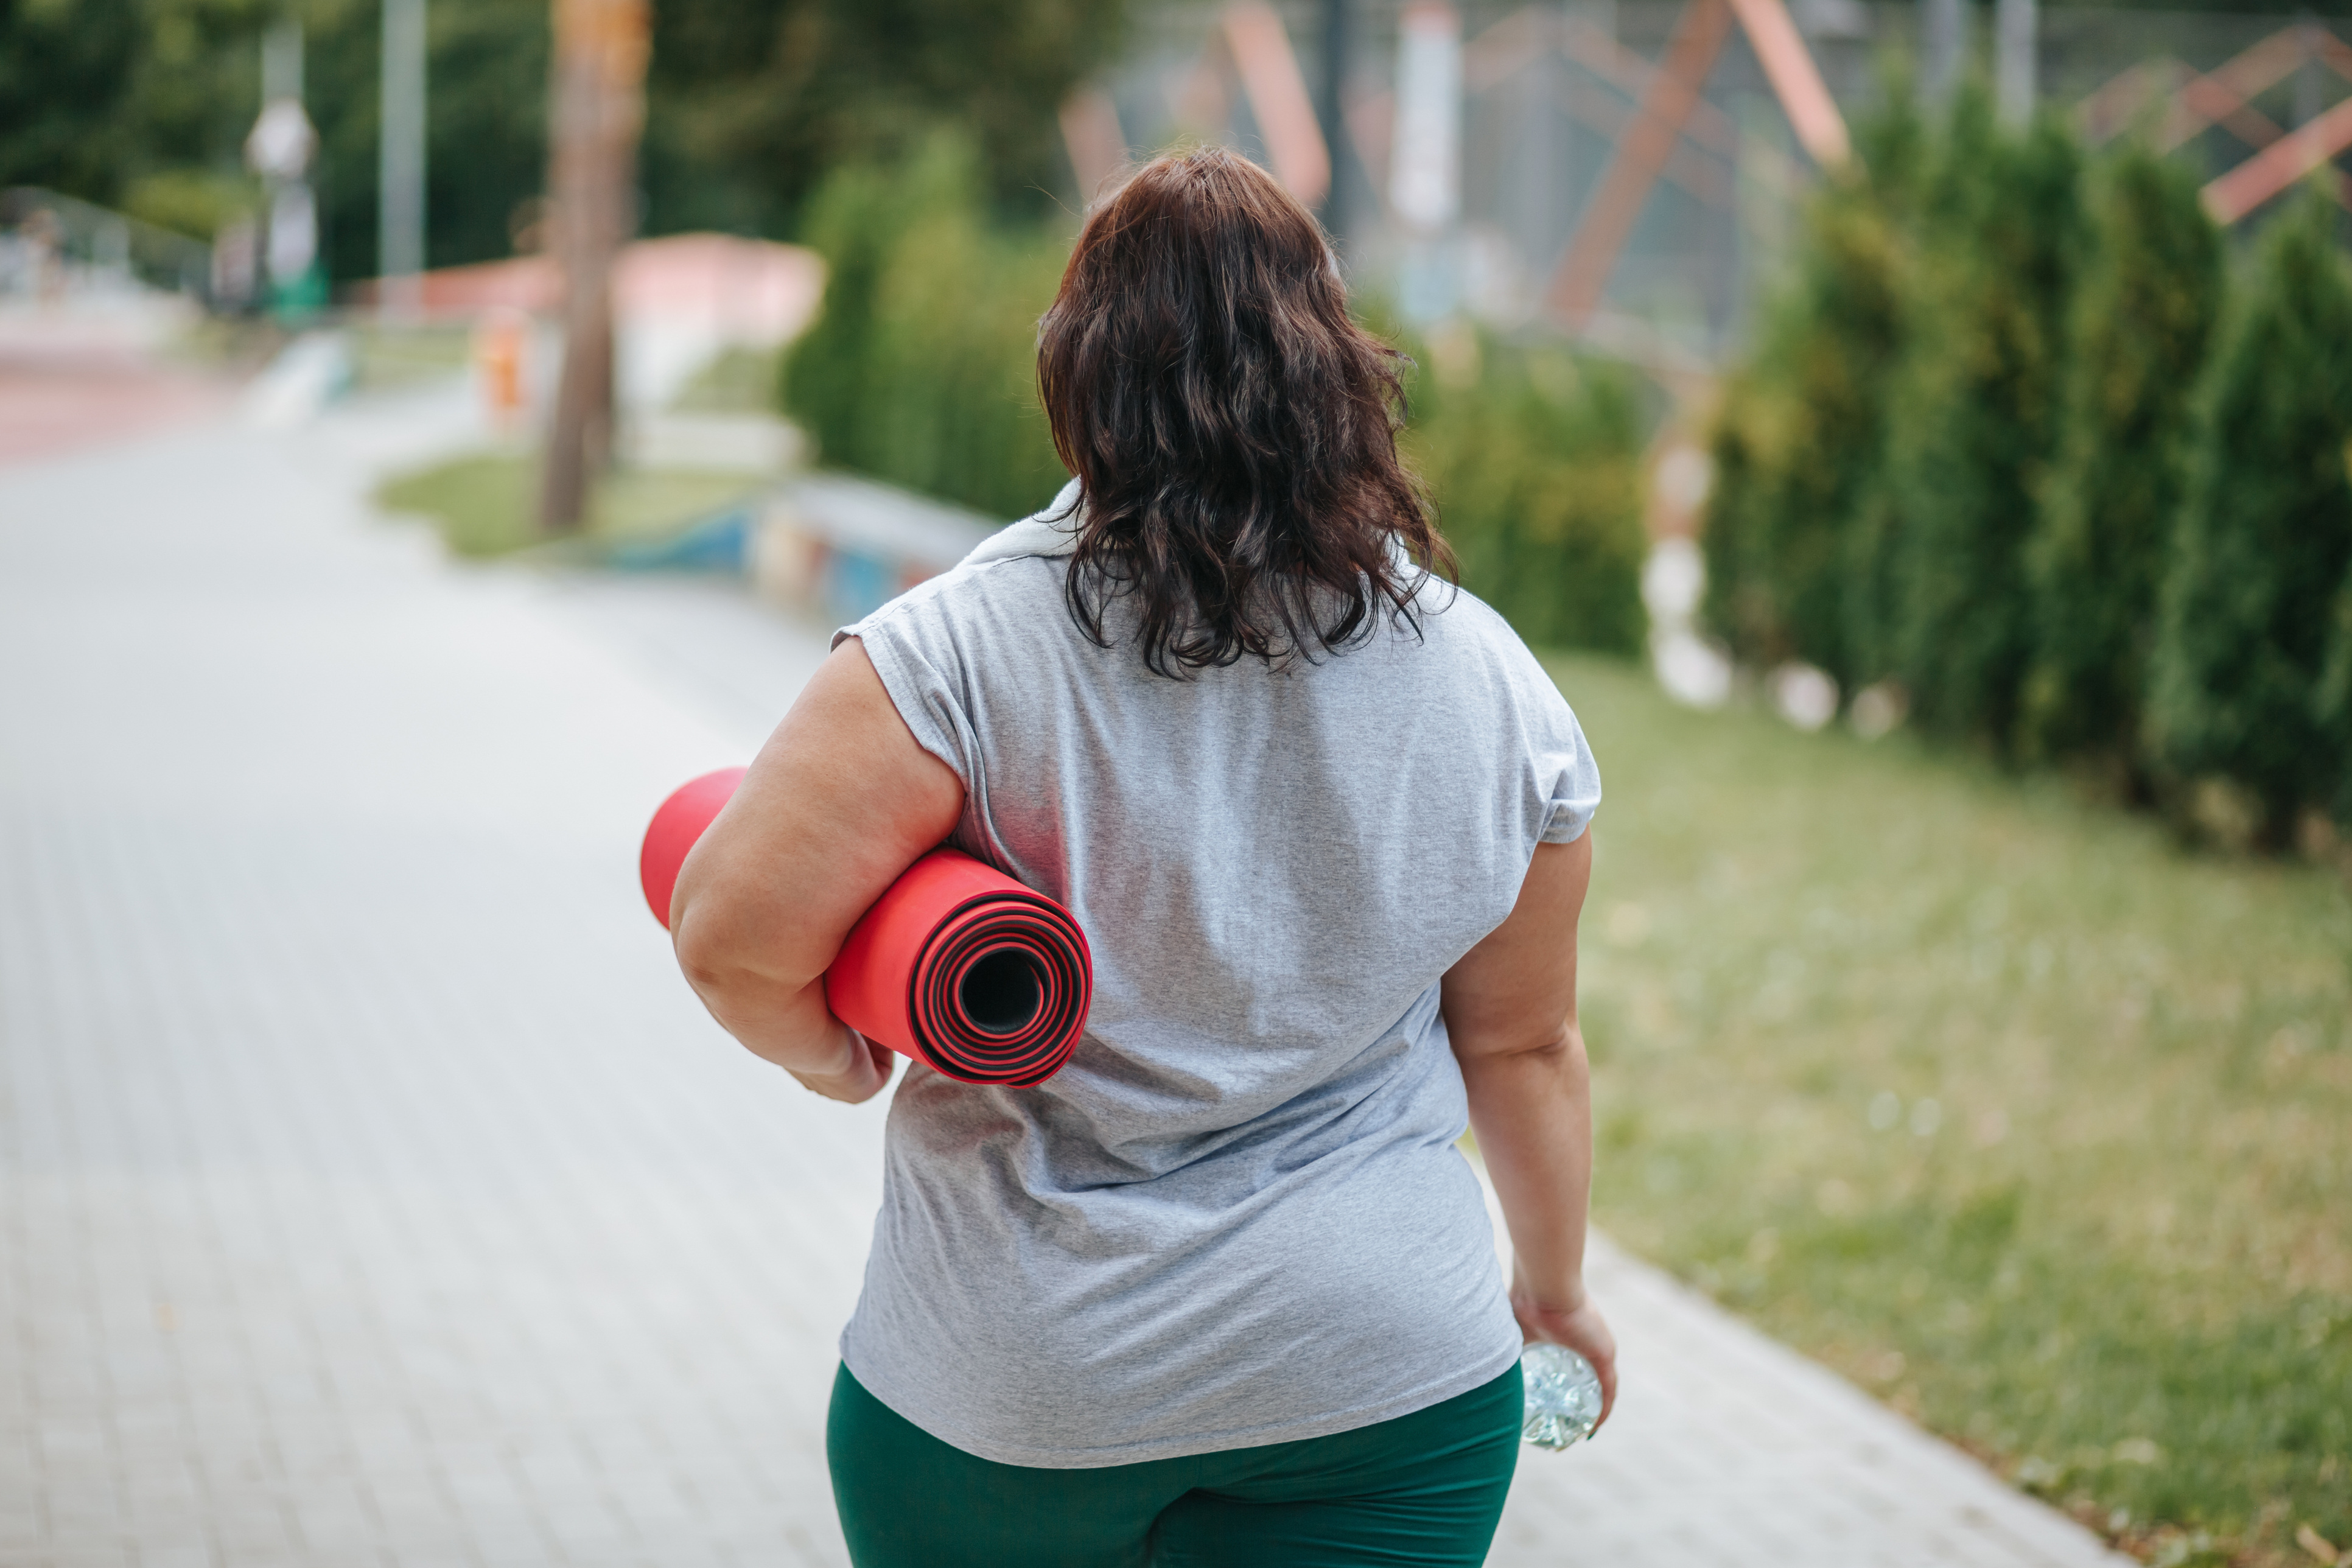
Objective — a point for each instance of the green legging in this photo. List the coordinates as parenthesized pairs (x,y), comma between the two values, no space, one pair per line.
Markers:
(1424,1490)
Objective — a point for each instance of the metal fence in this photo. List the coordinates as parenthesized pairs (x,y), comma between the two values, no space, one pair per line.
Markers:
(53,245)
(1549,96)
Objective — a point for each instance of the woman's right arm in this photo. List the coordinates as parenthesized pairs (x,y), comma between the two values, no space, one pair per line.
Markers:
(1510,1009)
(839,802)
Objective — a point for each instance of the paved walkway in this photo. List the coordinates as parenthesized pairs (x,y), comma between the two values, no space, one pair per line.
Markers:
(95,368)
(44,409)
(372,1191)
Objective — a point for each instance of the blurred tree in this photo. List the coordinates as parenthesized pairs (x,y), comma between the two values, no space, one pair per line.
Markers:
(2141,325)
(1533,455)
(1974,417)
(1798,440)
(2334,699)
(855,221)
(750,102)
(599,93)
(922,368)
(2259,562)
(754,100)
(99,98)
(56,58)
(485,127)
(145,105)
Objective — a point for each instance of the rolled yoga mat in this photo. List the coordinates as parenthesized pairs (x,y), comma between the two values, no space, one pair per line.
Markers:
(956,965)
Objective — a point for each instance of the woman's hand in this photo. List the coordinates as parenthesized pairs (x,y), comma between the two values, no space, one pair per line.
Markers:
(1580,1327)
(865,1070)
(1510,1009)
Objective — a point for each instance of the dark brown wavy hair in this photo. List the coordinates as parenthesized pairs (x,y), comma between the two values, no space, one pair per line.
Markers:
(1233,430)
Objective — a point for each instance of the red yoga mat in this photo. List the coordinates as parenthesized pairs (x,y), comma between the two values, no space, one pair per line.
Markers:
(956,965)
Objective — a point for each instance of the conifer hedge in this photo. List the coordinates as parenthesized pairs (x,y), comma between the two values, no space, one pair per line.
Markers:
(920,369)
(1973,423)
(2000,438)
(1797,444)
(2253,593)
(1533,456)
(2142,324)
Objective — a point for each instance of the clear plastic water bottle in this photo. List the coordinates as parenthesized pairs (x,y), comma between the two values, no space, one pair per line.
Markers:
(1563,1397)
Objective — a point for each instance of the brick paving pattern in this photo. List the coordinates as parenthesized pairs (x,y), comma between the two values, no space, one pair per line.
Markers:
(372,1191)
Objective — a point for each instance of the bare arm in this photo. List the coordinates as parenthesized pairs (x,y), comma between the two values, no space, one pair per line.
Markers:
(837,803)
(1510,1009)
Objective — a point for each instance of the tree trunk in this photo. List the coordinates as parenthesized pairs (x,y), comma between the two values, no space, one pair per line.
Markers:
(597,104)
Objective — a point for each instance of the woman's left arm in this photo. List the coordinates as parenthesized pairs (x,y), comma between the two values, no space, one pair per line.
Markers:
(838,803)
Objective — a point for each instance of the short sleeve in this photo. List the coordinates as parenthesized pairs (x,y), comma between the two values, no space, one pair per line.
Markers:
(1561,779)
(1567,774)
(913,646)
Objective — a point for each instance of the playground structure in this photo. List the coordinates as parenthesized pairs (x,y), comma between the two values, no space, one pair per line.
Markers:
(53,246)
(2180,102)
(1629,172)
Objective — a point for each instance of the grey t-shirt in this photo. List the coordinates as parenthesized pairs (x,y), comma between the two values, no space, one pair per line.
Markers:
(1238,1215)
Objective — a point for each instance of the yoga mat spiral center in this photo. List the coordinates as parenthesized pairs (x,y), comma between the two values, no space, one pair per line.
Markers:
(1003,991)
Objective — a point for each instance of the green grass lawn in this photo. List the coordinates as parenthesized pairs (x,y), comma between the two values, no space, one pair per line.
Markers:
(487,504)
(1997,1101)
(739,381)
(384,357)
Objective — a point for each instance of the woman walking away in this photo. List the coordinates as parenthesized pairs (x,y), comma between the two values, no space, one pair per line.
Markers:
(1223,1292)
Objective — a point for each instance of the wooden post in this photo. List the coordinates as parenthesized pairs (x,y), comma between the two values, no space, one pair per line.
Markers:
(1796,80)
(1671,99)
(1277,98)
(1094,141)
(2281,164)
(1649,139)
(596,109)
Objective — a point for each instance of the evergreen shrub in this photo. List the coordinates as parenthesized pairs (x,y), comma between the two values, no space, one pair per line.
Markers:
(1533,456)
(2258,568)
(1973,423)
(1798,438)
(2142,324)
(2046,463)
(922,367)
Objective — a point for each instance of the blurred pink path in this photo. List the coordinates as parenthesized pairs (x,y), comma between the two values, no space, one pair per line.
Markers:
(69,383)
